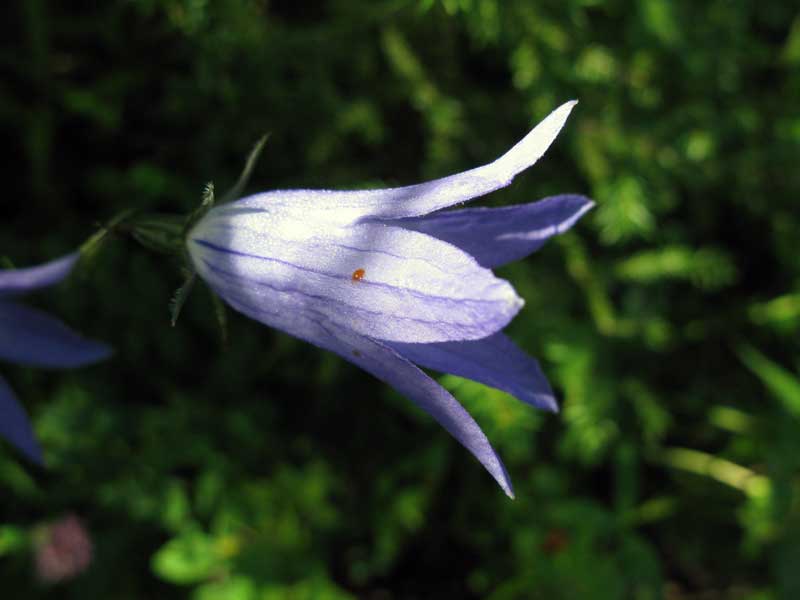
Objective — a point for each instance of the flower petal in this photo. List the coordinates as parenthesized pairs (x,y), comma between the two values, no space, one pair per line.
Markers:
(495,361)
(14,282)
(387,365)
(414,200)
(497,236)
(31,337)
(14,424)
(381,281)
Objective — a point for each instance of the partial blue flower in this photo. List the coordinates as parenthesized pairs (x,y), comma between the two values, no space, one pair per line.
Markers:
(33,338)
(388,283)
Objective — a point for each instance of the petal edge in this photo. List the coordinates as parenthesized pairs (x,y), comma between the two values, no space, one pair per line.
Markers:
(334,206)
(387,365)
(34,338)
(494,361)
(498,236)
(14,425)
(15,282)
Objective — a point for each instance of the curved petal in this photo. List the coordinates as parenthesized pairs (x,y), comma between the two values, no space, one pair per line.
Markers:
(381,281)
(387,365)
(31,337)
(413,200)
(14,424)
(495,361)
(14,282)
(498,236)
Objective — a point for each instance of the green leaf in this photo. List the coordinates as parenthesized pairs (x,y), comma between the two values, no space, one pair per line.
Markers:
(187,559)
(12,539)
(232,588)
(783,384)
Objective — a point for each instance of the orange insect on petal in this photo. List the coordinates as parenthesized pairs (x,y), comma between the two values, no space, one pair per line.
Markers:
(358,274)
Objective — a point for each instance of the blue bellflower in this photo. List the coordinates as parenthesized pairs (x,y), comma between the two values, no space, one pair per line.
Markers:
(31,337)
(388,283)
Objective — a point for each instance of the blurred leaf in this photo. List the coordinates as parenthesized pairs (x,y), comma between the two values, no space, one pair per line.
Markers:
(784,385)
(189,558)
(230,588)
(707,268)
(12,539)
(623,210)
(782,313)
(718,469)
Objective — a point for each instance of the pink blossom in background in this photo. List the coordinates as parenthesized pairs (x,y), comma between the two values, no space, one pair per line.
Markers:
(64,551)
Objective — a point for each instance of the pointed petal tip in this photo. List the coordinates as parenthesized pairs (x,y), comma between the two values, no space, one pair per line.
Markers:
(37,458)
(494,465)
(548,403)
(515,304)
(587,205)
(567,106)
(92,352)
(588,202)
(530,149)
(560,115)
(509,294)
(518,301)
(579,202)
(508,489)
(32,452)
(15,426)
(100,352)
(34,338)
(580,205)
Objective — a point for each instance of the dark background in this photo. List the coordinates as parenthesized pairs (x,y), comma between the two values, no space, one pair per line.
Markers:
(666,320)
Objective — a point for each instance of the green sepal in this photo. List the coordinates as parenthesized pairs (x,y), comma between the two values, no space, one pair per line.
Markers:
(180,297)
(186,225)
(158,232)
(236,191)
(205,205)
(222,317)
(91,247)
(232,194)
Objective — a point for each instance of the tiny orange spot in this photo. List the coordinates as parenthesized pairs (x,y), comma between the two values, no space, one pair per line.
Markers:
(358,274)
(555,541)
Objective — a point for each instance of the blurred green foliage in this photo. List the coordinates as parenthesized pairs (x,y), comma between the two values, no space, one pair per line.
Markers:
(667,321)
